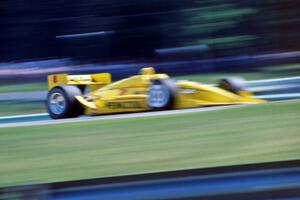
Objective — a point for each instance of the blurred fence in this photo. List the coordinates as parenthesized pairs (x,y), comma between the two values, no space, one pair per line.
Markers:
(38,72)
(277,180)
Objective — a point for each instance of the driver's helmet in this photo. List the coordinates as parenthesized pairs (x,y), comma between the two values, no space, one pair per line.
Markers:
(147,71)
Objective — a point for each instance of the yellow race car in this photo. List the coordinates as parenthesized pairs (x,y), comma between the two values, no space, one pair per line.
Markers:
(95,94)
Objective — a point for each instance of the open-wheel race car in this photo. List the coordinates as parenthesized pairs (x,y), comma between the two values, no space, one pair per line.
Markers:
(95,94)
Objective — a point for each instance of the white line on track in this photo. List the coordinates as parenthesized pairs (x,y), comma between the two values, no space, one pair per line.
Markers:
(295,78)
(280,96)
(24,116)
(127,115)
(115,116)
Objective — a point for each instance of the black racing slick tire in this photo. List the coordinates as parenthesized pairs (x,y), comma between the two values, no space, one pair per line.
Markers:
(61,102)
(234,85)
(161,94)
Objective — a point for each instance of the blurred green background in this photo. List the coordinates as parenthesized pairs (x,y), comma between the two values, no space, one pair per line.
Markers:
(134,29)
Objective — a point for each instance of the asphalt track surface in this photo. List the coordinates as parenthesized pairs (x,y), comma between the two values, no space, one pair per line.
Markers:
(44,119)
(270,89)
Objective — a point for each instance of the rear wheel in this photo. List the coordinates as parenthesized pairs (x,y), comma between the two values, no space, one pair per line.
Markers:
(61,102)
(161,94)
(234,85)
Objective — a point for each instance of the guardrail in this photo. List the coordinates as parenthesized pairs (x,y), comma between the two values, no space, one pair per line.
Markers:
(269,89)
(23,96)
(277,180)
(275,89)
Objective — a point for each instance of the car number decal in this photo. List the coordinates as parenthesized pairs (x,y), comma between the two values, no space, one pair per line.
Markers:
(123,105)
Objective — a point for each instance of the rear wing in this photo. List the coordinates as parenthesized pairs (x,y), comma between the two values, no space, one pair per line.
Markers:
(94,81)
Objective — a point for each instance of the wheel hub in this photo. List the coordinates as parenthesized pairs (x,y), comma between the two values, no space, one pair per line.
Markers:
(158,96)
(57,103)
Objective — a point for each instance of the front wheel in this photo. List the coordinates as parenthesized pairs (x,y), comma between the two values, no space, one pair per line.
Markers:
(61,102)
(234,84)
(161,94)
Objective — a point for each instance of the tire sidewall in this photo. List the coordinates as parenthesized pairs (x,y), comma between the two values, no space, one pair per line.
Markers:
(72,106)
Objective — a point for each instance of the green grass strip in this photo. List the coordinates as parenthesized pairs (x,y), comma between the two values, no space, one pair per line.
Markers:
(260,133)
